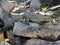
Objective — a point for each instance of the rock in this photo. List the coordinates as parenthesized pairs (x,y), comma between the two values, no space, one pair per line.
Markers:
(6,8)
(41,42)
(49,31)
(34,31)
(35,4)
(5,5)
(37,42)
(24,30)
(58,42)
(48,34)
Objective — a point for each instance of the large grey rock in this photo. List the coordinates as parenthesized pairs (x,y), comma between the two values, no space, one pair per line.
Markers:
(33,31)
(22,29)
(48,34)
(37,42)
(41,42)
(49,31)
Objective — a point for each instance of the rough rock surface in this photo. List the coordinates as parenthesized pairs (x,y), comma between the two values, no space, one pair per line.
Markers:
(37,42)
(22,29)
(34,31)
(41,42)
(35,4)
